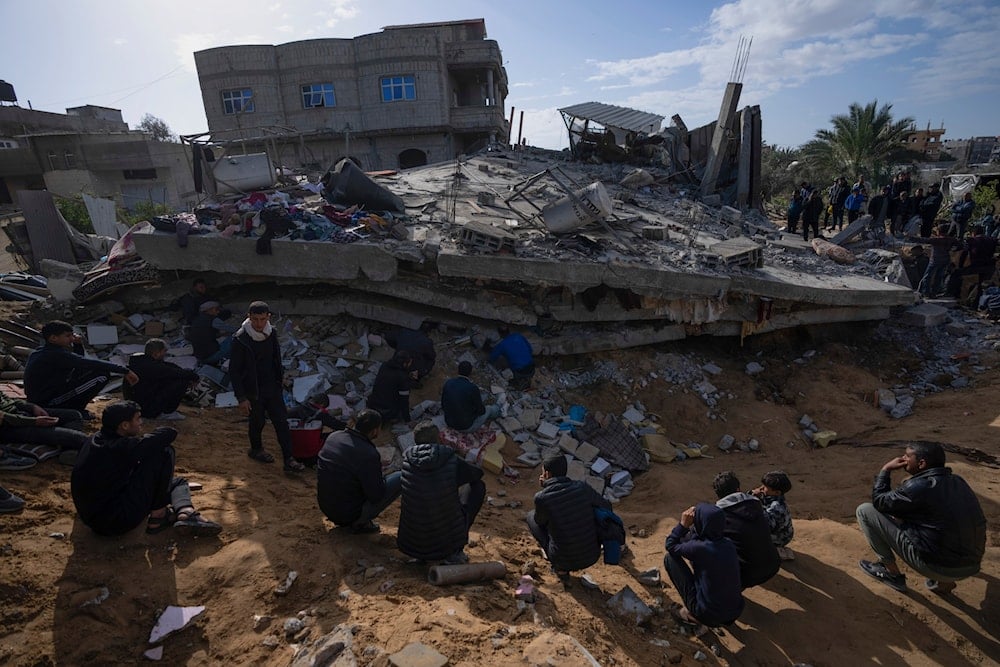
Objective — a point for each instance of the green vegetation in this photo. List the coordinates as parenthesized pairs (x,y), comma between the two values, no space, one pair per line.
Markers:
(75,213)
(143,211)
(984,196)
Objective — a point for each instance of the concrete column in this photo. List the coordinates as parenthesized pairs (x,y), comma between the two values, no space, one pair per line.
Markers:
(743,174)
(720,140)
(490,92)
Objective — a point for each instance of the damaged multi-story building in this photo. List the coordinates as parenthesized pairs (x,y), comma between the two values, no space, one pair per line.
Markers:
(406,96)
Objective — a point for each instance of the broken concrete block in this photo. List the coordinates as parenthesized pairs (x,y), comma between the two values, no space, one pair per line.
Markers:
(529,418)
(925,315)
(153,328)
(904,407)
(568,443)
(627,604)
(331,650)
(886,399)
(529,447)
(824,438)
(956,329)
(492,459)
(599,466)
(753,368)
(711,369)
(102,334)
(711,200)
(730,214)
(576,470)
(510,424)
(417,655)
(586,452)
(726,442)
(596,483)
(655,233)
(547,430)
(530,459)
(633,415)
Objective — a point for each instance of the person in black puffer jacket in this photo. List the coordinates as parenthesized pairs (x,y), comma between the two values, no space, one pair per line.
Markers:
(748,528)
(933,521)
(563,519)
(442,495)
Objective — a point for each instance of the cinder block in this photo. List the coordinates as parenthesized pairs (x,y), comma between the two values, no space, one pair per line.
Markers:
(596,483)
(568,443)
(576,470)
(586,452)
(925,315)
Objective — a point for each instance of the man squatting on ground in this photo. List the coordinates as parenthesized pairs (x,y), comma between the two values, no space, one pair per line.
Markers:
(933,520)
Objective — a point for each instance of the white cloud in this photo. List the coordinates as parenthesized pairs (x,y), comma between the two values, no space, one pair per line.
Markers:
(339,11)
(120,41)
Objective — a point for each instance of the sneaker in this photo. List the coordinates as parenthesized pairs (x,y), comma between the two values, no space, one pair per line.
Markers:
(14,462)
(170,416)
(878,571)
(457,558)
(10,504)
(939,587)
(366,528)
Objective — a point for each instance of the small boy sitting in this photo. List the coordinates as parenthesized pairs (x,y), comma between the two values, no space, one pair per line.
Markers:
(773,487)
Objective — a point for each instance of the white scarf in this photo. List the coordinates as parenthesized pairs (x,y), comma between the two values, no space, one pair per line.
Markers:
(254,334)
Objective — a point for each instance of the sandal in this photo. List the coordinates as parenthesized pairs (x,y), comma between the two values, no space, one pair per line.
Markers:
(190,522)
(260,455)
(291,465)
(158,524)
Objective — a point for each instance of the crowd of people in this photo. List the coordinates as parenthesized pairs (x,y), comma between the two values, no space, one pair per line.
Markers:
(903,212)
(123,477)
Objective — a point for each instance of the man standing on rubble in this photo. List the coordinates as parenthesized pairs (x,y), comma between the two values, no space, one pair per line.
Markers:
(928,208)
(514,352)
(838,195)
(257,376)
(57,376)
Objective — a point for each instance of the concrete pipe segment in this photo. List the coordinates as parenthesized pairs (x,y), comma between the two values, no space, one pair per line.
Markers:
(442,575)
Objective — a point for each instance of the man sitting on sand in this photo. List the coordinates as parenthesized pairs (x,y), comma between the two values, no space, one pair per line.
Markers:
(442,494)
(22,422)
(563,520)
(161,384)
(122,477)
(462,402)
(712,592)
(57,377)
(350,488)
(933,521)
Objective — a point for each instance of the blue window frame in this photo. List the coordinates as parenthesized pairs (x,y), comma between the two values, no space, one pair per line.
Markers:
(237,101)
(396,88)
(318,95)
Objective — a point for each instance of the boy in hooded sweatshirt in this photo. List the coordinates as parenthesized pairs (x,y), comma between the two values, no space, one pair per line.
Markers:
(748,529)
(711,592)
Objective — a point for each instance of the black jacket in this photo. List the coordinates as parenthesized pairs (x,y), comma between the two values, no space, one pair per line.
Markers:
(243,365)
(153,375)
(50,369)
(391,391)
(432,522)
(940,515)
(565,508)
(461,402)
(348,472)
(100,479)
(203,336)
(418,344)
(747,527)
(930,205)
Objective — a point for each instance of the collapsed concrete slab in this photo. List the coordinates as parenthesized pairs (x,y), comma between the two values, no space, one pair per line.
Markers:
(605,285)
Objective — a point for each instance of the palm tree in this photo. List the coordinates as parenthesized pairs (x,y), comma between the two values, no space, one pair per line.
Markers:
(863,141)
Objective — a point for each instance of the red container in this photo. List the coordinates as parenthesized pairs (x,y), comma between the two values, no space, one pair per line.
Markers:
(306,441)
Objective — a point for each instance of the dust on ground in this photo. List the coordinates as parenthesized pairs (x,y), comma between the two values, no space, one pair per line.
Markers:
(820,609)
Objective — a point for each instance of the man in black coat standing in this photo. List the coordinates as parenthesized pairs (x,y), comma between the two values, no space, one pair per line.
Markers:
(161,384)
(748,528)
(442,494)
(391,391)
(350,488)
(257,376)
(563,520)
(933,521)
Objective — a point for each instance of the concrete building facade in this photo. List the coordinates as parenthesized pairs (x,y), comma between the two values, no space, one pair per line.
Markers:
(926,142)
(406,96)
(89,150)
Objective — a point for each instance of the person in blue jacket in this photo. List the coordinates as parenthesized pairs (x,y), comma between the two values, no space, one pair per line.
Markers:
(712,592)
(514,352)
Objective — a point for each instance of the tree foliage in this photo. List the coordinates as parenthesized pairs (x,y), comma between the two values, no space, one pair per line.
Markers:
(866,140)
(984,195)
(778,170)
(157,127)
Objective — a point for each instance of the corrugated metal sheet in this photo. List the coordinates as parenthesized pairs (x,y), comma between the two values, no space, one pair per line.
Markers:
(46,227)
(609,115)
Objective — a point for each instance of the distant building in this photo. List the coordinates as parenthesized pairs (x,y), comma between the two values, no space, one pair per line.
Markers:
(983,150)
(926,142)
(402,97)
(88,149)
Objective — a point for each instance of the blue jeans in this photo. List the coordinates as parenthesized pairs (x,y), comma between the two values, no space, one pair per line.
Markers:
(930,284)
(393,487)
(492,412)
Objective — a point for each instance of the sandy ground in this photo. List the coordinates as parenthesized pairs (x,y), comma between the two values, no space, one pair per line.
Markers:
(820,609)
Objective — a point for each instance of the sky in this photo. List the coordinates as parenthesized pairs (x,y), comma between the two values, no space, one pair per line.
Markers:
(935,61)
